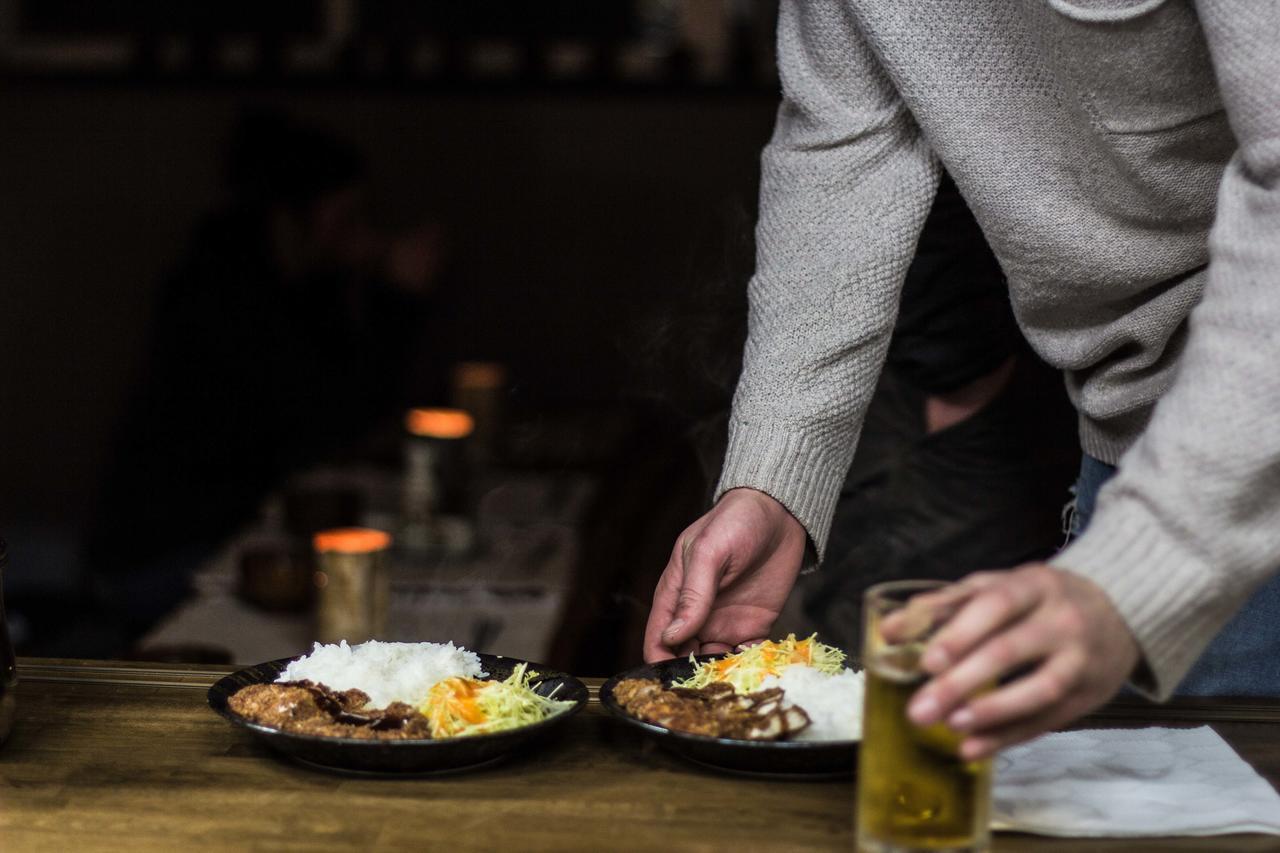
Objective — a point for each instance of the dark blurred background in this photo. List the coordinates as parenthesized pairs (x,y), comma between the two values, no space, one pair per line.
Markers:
(585,174)
(240,240)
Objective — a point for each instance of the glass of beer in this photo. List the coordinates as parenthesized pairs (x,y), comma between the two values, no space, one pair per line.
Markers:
(915,792)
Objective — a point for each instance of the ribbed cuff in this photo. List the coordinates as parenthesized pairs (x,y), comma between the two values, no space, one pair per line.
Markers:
(789,468)
(1172,601)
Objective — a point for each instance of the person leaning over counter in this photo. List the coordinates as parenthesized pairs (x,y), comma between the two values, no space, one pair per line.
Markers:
(1123,160)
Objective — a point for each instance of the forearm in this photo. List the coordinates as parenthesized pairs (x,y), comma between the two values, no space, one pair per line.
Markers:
(846,183)
(1191,523)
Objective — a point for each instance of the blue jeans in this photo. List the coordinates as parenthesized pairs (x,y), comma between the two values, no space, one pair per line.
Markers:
(1244,659)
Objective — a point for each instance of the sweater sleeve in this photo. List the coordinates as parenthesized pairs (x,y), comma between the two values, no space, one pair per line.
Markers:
(1190,525)
(846,183)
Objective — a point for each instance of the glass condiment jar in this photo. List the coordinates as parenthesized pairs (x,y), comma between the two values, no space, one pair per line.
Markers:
(353,583)
(433,512)
(8,665)
(480,388)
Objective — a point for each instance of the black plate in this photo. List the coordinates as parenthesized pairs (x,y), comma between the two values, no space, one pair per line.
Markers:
(791,759)
(402,756)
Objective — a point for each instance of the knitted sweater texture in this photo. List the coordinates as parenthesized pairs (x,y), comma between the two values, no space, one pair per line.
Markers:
(1123,159)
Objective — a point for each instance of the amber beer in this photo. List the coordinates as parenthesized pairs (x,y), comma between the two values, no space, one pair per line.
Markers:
(915,793)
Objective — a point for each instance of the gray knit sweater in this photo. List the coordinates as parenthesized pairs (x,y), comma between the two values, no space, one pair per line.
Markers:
(1123,159)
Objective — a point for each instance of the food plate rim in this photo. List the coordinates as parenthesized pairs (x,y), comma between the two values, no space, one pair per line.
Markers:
(615,708)
(218,697)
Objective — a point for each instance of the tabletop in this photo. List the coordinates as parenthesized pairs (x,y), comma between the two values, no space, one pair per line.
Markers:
(110,756)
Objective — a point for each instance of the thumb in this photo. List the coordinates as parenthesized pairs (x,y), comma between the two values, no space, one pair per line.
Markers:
(703,568)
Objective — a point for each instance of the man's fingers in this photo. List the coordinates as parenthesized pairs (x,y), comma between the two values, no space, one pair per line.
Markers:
(1046,689)
(688,647)
(935,607)
(990,609)
(1000,655)
(1060,635)
(702,569)
(715,649)
(981,744)
(664,607)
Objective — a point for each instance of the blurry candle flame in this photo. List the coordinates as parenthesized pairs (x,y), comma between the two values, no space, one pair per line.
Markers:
(439,423)
(351,540)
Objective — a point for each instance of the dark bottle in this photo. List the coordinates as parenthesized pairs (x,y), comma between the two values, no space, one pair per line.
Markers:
(8,667)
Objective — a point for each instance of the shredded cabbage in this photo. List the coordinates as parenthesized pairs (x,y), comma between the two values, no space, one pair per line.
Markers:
(457,707)
(749,667)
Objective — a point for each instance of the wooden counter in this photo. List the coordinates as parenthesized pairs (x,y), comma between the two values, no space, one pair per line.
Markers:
(111,756)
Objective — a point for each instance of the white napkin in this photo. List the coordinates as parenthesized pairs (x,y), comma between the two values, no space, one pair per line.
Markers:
(1131,782)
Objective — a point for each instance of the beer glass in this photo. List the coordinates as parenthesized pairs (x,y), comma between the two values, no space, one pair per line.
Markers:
(915,792)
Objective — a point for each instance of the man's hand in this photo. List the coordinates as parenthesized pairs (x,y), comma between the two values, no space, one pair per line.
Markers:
(1055,627)
(728,577)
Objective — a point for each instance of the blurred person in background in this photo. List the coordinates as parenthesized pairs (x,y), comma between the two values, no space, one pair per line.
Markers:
(287,329)
(1121,159)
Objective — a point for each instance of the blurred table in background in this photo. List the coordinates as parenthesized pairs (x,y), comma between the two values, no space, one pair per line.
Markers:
(506,595)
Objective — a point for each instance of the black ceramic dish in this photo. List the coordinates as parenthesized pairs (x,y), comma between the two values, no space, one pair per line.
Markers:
(402,756)
(789,759)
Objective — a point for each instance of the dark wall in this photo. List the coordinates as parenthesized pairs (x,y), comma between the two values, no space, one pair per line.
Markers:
(577,221)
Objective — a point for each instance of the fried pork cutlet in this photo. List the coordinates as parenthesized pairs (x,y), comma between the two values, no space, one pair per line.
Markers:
(304,707)
(715,710)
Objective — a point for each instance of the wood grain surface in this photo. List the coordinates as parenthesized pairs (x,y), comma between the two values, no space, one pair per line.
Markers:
(128,757)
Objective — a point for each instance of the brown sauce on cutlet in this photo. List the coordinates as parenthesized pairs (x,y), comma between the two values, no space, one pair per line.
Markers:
(715,710)
(307,708)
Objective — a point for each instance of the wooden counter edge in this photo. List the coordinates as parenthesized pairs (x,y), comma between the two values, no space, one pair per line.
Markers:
(143,674)
(202,676)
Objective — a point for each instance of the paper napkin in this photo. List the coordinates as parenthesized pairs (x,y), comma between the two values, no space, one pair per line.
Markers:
(1131,782)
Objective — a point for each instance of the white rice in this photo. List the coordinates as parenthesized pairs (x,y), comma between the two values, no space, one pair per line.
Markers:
(388,672)
(833,702)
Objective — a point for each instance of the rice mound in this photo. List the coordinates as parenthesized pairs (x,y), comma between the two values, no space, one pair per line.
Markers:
(833,702)
(388,672)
